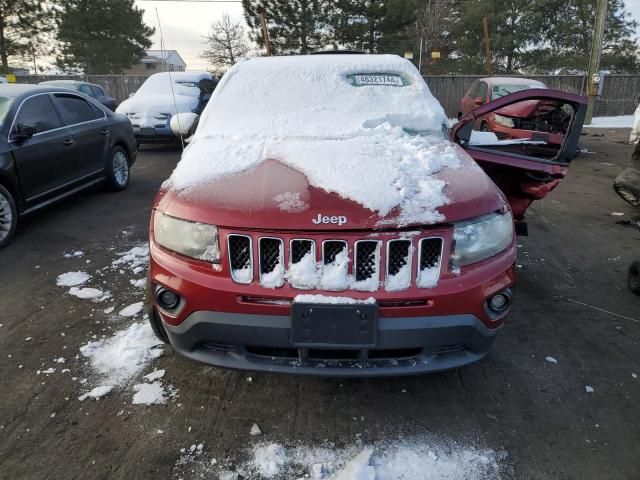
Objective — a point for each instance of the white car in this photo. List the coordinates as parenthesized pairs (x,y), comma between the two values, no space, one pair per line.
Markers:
(162,96)
(634,137)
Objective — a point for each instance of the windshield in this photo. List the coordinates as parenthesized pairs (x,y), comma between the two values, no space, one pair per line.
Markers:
(5,106)
(502,90)
(322,96)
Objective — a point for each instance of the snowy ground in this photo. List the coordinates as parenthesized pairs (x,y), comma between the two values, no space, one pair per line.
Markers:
(623,121)
(557,398)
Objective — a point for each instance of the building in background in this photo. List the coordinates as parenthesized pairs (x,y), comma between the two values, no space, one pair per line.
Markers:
(158,61)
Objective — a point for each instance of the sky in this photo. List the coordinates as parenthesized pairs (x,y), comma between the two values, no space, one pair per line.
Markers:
(184,23)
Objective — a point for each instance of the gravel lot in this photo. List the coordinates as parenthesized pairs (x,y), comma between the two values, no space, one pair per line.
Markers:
(571,304)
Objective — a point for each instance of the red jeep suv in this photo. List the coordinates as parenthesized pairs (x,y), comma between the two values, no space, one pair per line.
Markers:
(324,221)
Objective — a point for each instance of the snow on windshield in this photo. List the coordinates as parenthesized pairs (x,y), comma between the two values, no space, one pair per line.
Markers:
(318,95)
(184,83)
(363,126)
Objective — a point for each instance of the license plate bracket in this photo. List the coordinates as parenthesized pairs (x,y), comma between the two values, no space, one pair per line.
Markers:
(147,131)
(334,326)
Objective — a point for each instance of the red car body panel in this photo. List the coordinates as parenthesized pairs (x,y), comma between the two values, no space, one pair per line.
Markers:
(220,203)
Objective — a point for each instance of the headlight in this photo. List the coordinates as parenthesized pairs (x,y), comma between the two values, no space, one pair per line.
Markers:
(481,238)
(196,240)
(504,121)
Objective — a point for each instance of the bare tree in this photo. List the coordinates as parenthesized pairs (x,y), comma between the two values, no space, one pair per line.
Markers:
(226,44)
(434,22)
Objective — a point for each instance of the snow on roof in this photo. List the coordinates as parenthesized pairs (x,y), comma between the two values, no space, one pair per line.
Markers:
(348,122)
(160,83)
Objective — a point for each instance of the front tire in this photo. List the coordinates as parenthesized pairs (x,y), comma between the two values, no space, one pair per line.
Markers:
(8,217)
(157,327)
(633,277)
(118,169)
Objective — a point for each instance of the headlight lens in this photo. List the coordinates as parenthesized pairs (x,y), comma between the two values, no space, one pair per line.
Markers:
(504,121)
(196,240)
(481,238)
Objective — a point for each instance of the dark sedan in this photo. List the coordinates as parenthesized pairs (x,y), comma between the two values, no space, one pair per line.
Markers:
(53,143)
(90,89)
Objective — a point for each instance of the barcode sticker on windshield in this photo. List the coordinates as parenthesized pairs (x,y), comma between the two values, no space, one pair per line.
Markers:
(361,79)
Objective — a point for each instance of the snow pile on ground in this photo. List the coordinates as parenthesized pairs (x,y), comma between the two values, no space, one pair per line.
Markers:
(127,352)
(97,393)
(306,113)
(72,279)
(131,310)
(149,394)
(402,460)
(622,121)
(136,259)
(89,293)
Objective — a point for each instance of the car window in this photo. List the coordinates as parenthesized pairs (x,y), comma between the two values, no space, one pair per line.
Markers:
(5,105)
(501,90)
(482,90)
(473,90)
(39,112)
(86,89)
(97,92)
(76,109)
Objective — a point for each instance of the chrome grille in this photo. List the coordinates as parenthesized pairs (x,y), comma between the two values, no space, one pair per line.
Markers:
(270,254)
(397,256)
(363,266)
(367,259)
(240,257)
(331,249)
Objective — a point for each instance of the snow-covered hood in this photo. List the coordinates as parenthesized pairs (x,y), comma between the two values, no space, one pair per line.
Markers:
(145,109)
(272,195)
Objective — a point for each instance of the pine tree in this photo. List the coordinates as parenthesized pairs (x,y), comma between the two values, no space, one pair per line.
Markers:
(101,36)
(294,26)
(227,43)
(374,26)
(24,29)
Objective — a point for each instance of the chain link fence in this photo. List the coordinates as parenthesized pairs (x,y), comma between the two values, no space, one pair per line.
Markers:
(620,96)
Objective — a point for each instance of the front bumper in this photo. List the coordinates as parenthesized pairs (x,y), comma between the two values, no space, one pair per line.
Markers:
(154,134)
(409,345)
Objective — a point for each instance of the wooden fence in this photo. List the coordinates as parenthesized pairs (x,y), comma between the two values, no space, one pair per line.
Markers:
(621,93)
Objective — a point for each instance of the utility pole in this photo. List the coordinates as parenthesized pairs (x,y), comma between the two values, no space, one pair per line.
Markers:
(487,50)
(593,79)
(265,33)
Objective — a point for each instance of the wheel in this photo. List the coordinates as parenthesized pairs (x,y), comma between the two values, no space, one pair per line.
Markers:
(633,277)
(156,325)
(459,115)
(118,169)
(8,217)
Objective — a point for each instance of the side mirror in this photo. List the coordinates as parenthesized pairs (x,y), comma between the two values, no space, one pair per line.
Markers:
(184,124)
(24,132)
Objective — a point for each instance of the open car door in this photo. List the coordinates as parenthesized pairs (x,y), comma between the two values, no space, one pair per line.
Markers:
(524,141)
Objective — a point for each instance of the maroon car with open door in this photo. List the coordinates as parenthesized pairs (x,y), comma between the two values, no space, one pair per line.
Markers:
(324,221)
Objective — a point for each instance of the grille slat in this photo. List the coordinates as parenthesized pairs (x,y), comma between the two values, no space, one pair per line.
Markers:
(430,259)
(366,258)
(331,249)
(397,256)
(299,248)
(240,258)
(270,254)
